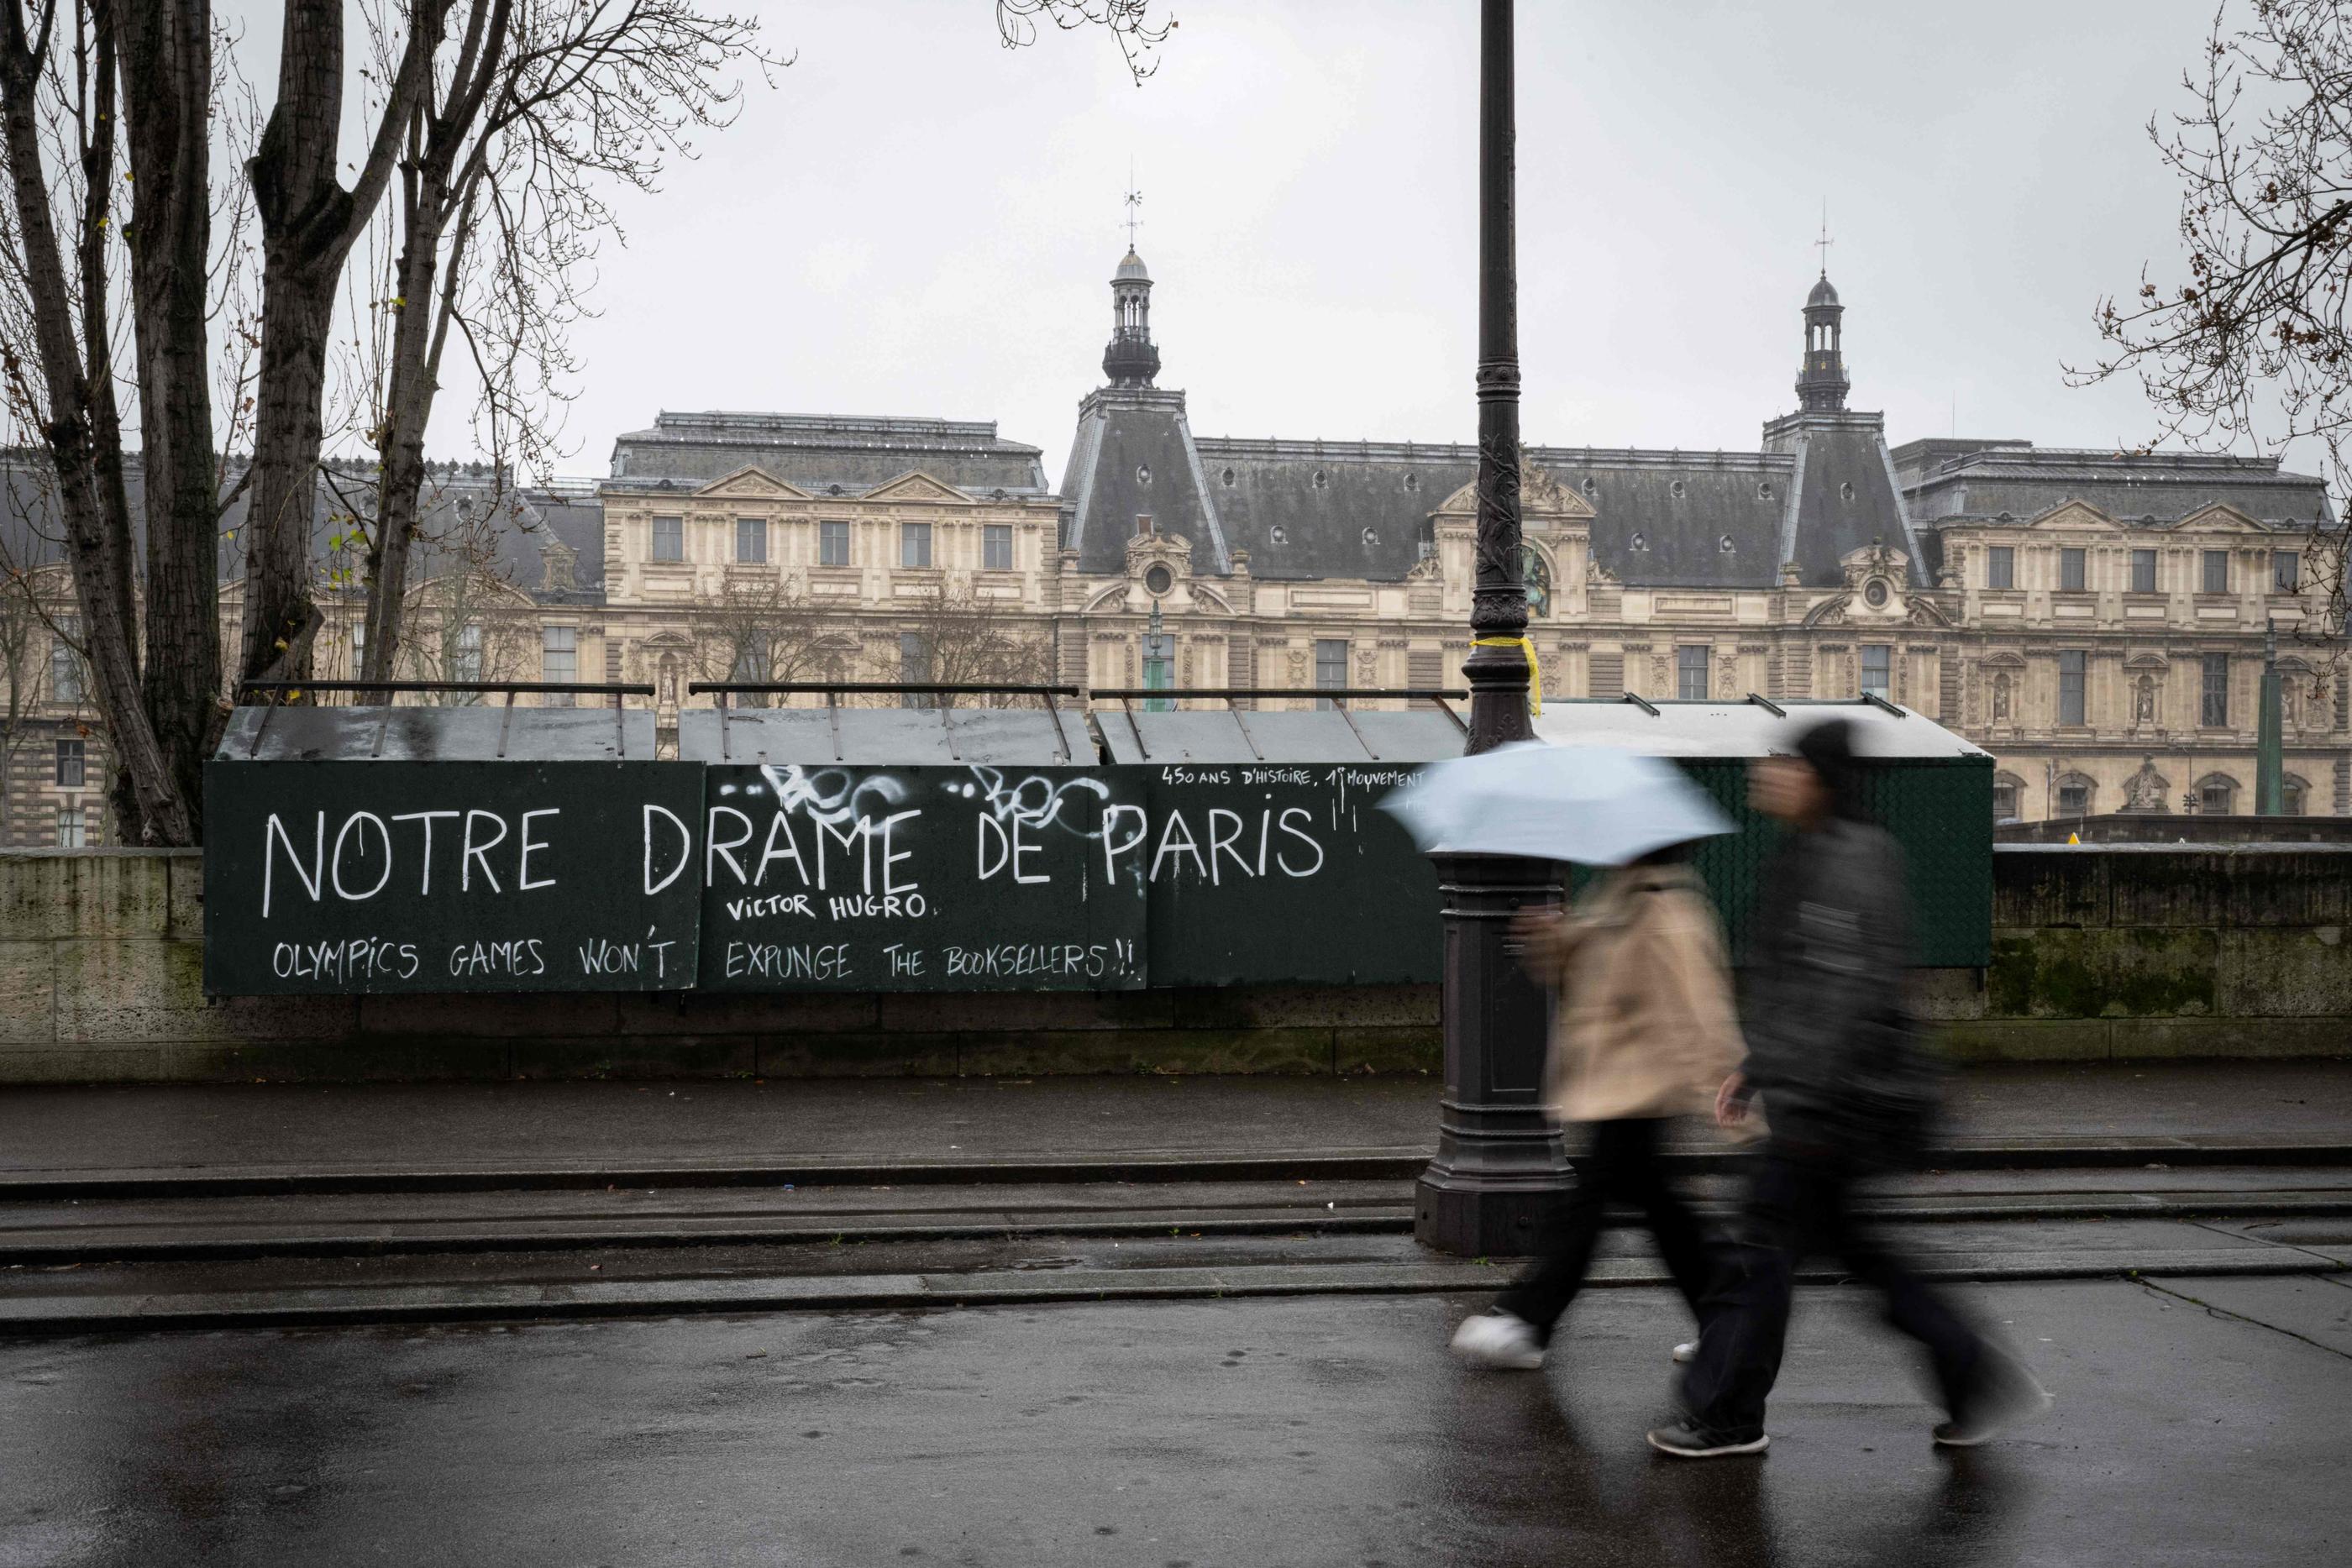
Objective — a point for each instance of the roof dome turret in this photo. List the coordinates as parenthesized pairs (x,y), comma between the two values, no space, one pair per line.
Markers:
(1824,293)
(1130,269)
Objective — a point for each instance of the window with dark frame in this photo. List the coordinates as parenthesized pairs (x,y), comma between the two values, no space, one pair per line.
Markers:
(73,828)
(751,540)
(2071,670)
(559,660)
(1330,668)
(2290,797)
(2143,571)
(1878,670)
(2074,800)
(466,652)
(2215,797)
(915,666)
(915,544)
(833,544)
(2213,709)
(2004,803)
(73,764)
(2071,565)
(2217,571)
(1690,673)
(669,538)
(996,547)
(2286,571)
(2000,566)
(65,673)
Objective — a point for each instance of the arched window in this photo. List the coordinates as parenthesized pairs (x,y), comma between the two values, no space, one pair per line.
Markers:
(2217,795)
(2076,793)
(2293,794)
(2008,792)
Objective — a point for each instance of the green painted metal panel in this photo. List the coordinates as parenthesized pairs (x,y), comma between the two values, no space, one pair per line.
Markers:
(919,878)
(1274,873)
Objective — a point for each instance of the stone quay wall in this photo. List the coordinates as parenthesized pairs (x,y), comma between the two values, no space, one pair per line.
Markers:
(2099,953)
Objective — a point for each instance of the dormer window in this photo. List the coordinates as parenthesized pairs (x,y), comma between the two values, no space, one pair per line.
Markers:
(1845,491)
(1278,533)
(1143,474)
(1371,538)
(1321,479)
(1640,543)
(1676,490)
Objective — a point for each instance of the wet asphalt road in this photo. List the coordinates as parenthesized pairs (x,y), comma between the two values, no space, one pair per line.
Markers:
(1306,1431)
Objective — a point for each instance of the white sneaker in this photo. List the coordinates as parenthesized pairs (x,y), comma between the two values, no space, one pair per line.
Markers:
(1686,1353)
(1499,1339)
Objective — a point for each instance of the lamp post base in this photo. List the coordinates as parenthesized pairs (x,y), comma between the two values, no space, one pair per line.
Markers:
(1499,1164)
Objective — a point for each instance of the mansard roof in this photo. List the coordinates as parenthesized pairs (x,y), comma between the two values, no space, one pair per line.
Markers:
(1311,509)
(1134,454)
(824,454)
(1948,480)
(505,528)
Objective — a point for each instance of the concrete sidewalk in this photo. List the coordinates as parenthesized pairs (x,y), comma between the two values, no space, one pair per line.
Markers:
(166,1132)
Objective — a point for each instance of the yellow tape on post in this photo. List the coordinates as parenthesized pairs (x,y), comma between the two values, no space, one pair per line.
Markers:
(1534,674)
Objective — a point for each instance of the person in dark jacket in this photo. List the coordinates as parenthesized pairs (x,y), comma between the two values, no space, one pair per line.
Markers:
(1831,1051)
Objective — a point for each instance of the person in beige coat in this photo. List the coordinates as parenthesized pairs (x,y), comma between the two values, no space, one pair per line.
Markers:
(1644,1030)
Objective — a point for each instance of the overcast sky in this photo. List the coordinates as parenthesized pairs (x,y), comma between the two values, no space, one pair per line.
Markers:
(917,221)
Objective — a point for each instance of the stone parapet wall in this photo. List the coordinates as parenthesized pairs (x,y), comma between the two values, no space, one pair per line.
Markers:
(2123,951)
(101,980)
(2099,952)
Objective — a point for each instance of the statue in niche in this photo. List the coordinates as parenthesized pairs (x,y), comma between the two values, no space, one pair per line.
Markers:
(2144,701)
(2289,700)
(669,680)
(2000,699)
(2144,791)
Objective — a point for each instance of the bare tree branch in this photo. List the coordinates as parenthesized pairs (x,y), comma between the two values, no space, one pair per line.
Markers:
(2252,347)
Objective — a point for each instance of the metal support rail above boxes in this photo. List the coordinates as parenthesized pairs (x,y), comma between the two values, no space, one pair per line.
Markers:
(1339,696)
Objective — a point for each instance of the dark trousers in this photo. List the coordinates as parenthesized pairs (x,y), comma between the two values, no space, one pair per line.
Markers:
(1799,1203)
(1622,1167)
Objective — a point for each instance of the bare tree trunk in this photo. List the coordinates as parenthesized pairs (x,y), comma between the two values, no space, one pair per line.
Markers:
(80,428)
(308,223)
(166,55)
(418,335)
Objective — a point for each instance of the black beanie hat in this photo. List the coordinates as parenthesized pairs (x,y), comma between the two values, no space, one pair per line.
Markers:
(1828,749)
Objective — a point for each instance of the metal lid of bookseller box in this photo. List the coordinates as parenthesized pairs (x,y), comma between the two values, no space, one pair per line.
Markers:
(834,735)
(1926,786)
(483,730)
(1336,735)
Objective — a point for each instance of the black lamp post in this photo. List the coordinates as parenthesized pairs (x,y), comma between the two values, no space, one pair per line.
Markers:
(1499,1161)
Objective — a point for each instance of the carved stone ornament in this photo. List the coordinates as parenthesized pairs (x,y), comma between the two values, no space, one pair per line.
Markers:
(1828,612)
(2147,790)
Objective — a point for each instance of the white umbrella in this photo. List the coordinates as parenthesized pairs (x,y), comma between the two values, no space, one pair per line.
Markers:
(1594,804)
